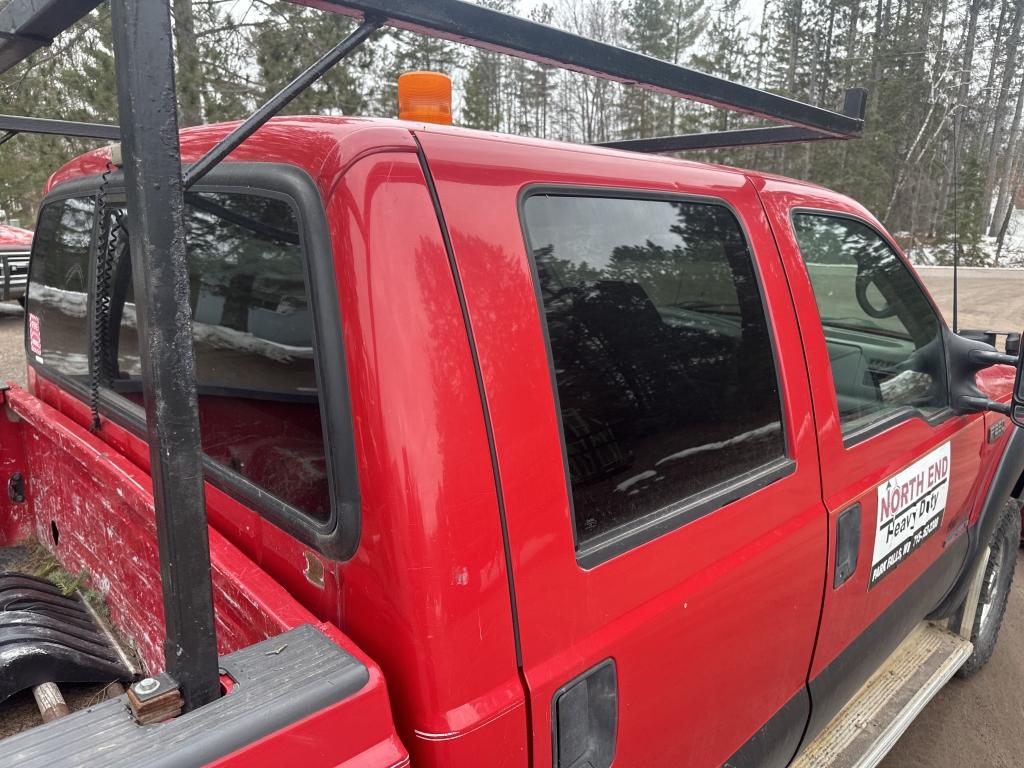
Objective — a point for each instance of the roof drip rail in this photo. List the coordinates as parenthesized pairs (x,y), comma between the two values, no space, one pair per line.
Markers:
(493,30)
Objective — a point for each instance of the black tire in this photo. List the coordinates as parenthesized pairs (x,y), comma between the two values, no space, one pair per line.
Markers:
(995,590)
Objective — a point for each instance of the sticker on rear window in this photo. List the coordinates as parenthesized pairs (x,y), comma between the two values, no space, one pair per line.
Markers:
(910,507)
(35,339)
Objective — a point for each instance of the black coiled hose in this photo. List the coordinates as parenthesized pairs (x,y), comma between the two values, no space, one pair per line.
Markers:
(111,225)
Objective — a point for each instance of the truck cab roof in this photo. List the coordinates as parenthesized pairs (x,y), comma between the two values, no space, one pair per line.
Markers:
(324,146)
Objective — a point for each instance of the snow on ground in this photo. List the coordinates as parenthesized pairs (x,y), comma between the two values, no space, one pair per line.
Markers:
(1012,254)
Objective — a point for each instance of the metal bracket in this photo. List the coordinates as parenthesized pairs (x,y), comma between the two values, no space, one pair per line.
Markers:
(155,699)
(965,626)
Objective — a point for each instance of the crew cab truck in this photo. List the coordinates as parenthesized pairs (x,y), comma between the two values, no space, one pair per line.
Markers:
(595,458)
(15,244)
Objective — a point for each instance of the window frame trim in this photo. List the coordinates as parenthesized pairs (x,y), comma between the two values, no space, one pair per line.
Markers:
(338,536)
(656,523)
(891,419)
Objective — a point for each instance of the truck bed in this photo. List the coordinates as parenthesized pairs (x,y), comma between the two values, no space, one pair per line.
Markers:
(93,510)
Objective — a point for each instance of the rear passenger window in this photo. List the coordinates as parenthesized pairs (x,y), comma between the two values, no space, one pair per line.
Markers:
(58,289)
(259,406)
(663,362)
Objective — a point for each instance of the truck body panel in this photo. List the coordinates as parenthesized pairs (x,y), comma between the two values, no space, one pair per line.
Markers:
(441,593)
(470,575)
(682,636)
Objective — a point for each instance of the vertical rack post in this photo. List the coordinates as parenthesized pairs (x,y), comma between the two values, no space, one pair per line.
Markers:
(152,164)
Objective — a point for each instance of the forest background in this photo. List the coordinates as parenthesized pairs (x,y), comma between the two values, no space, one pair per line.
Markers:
(943,150)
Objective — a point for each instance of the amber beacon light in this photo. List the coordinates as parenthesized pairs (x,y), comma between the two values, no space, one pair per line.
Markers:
(425,96)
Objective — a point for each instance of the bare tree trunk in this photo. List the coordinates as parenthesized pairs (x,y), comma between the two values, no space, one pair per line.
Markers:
(988,91)
(968,59)
(1012,151)
(1009,74)
(964,90)
(1017,187)
(794,54)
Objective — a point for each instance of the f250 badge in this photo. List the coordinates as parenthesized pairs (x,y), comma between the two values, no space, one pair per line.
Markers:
(910,507)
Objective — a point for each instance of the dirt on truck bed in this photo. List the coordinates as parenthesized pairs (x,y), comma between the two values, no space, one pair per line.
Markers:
(976,722)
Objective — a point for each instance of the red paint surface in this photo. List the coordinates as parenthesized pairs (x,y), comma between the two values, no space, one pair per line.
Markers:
(102,507)
(852,474)
(692,617)
(711,625)
(14,237)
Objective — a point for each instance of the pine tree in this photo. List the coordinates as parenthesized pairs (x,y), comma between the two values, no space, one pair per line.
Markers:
(649,29)
(290,39)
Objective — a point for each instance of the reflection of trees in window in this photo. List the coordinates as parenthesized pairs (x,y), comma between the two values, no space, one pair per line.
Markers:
(245,249)
(827,243)
(58,283)
(662,357)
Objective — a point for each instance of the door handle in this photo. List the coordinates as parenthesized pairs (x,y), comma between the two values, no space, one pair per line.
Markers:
(585,719)
(847,545)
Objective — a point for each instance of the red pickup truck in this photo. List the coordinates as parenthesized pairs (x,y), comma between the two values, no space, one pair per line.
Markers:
(593,457)
(15,245)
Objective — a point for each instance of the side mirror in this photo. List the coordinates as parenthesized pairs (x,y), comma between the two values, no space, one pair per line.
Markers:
(1013,344)
(965,357)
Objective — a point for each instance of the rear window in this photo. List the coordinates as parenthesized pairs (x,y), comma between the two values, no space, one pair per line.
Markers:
(259,403)
(57,302)
(662,358)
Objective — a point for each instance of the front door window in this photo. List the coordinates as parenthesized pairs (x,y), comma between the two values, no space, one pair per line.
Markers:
(884,337)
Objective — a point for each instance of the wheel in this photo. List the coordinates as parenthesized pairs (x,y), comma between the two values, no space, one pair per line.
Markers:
(995,588)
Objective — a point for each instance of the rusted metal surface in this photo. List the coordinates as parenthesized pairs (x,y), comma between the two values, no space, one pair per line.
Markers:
(144,64)
(14,516)
(101,505)
(155,699)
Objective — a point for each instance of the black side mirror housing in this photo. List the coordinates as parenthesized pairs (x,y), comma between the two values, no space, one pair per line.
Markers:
(965,357)
(989,337)
(1013,344)
(1017,404)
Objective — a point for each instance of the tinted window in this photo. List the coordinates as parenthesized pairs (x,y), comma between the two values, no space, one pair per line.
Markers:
(662,358)
(258,402)
(58,291)
(883,335)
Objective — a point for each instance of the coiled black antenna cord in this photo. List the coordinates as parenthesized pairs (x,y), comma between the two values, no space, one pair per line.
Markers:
(111,224)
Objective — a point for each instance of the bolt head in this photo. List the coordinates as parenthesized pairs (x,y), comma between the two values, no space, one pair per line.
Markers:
(146,685)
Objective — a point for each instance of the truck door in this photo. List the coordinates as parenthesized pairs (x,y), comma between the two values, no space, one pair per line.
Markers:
(650,417)
(898,467)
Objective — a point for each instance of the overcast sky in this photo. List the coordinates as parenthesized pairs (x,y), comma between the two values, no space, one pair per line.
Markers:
(249,8)
(751,8)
